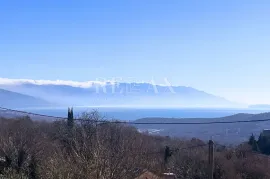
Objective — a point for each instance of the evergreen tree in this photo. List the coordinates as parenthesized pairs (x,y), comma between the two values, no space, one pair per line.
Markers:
(251,140)
(33,174)
(70,132)
(167,154)
(264,144)
(255,146)
(70,120)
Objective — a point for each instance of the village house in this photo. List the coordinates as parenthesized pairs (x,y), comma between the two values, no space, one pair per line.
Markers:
(149,175)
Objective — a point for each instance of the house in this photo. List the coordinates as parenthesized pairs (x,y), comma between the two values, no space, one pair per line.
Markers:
(168,176)
(149,175)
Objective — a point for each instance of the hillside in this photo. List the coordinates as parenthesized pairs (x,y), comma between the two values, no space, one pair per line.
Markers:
(225,133)
(82,150)
(10,99)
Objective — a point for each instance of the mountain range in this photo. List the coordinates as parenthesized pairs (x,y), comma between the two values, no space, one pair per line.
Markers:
(259,106)
(108,94)
(11,99)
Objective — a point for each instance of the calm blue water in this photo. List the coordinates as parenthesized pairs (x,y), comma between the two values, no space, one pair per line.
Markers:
(133,114)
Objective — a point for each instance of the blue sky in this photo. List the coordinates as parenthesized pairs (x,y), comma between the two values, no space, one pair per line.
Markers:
(221,47)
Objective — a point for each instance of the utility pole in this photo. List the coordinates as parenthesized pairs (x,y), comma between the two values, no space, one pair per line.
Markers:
(167,154)
(211,159)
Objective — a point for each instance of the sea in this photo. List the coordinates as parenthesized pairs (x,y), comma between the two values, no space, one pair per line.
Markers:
(131,114)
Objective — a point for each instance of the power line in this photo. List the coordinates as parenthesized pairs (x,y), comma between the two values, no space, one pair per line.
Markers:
(191,123)
(247,151)
(139,123)
(172,150)
(191,147)
(142,123)
(30,113)
(182,123)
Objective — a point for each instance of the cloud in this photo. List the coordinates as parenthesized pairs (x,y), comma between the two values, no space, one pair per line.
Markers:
(84,84)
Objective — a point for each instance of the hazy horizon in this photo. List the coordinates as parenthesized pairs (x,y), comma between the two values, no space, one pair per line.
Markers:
(6,82)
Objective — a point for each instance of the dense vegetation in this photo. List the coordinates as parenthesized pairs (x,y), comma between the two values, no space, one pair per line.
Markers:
(261,145)
(89,149)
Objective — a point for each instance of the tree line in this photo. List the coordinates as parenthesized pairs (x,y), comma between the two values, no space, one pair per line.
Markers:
(88,149)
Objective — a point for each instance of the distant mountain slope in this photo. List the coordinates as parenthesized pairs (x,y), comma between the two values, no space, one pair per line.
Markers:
(260,106)
(122,94)
(10,99)
(224,133)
